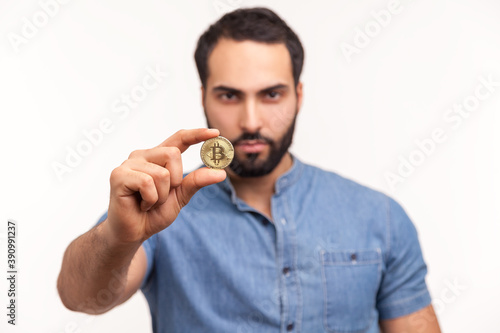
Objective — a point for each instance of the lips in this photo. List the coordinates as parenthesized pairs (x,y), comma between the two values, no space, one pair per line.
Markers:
(251,146)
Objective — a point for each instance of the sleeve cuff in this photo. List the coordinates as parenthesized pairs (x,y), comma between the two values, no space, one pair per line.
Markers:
(405,306)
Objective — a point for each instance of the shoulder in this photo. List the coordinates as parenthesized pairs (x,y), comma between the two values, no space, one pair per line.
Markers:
(344,188)
(366,201)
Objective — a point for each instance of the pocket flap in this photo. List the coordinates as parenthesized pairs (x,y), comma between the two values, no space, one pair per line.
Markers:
(351,257)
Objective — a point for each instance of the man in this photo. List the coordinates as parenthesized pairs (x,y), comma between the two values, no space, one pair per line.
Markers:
(275,246)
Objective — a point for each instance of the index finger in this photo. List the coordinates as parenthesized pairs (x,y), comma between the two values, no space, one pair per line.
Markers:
(182,139)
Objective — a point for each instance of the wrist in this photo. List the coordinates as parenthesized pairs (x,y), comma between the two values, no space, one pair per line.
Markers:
(113,244)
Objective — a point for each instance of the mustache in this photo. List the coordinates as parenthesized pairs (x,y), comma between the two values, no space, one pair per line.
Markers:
(252,136)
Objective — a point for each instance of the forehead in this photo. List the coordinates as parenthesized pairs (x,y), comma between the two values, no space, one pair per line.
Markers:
(249,65)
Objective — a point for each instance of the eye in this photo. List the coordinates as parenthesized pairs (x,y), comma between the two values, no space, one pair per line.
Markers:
(229,96)
(273,94)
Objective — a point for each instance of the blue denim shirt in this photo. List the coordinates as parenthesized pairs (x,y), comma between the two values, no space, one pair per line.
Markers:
(337,257)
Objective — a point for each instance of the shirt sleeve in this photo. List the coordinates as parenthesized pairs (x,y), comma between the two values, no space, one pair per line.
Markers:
(403,288)
(149,246)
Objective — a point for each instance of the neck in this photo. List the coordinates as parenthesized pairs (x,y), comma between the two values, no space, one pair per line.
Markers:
(257,191)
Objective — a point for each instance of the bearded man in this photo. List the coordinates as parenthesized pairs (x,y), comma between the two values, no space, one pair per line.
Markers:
(270,244)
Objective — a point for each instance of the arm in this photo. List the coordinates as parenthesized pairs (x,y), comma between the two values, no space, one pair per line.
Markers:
(404,302)
(105,266)
(421,321)
(105,274)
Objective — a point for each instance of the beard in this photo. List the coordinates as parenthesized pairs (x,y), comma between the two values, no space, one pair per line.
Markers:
(251,166)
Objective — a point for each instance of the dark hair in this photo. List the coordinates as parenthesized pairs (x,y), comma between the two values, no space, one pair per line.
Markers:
(256,24)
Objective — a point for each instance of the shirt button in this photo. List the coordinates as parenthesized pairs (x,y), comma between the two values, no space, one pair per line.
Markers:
(289,327)
(286,271)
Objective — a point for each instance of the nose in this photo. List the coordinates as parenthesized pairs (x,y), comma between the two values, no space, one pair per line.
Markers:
(250,118)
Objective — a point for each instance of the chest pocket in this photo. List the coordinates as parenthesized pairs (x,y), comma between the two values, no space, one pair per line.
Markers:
(351,280)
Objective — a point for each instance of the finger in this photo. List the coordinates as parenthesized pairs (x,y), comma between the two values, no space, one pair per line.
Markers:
(196,180)
(167,157)
(131,181)
(160,175)
(184,138)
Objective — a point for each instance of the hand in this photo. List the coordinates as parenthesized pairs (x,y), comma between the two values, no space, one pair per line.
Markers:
(148,191)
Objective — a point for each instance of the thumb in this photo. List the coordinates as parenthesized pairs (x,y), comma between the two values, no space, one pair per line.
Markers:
(196,180)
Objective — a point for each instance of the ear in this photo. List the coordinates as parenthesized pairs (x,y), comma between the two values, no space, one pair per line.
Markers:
(299,94)
(202,96)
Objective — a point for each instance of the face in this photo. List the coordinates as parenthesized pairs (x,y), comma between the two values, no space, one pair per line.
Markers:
(250,97)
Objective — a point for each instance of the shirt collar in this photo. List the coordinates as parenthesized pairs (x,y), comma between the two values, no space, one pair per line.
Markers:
(290,177)
(285,181)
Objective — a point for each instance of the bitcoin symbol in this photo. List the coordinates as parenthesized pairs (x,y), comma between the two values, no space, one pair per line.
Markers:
(217,153)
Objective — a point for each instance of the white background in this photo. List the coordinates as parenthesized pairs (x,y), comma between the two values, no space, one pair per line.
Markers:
(358,117)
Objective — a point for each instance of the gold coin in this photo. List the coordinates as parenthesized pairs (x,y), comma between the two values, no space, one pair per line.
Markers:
(217,153)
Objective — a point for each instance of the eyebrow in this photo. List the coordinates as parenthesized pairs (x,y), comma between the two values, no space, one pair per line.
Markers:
(239,92)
